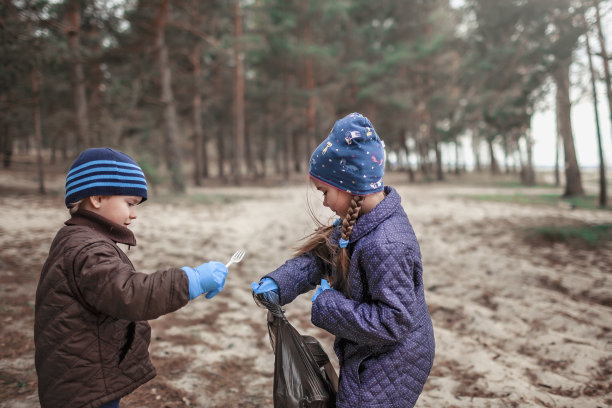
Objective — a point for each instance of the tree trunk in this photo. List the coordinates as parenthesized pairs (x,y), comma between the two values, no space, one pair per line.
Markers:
(286,133)
(279,146)
(506,154)
(37,129)
(220,134)
(528,169)
(604,57)
(457,159)
(476,149)
(287,145)
(248,149)
(573,180)
(311,140)
(603,195)
(296,146)
(199,151)
(172,148)
(264,147)
(557,147)
(72,23)
(438,151)
(238,151)
(6,145)
(494,165)
(423,157)
(95,103)
(403,137)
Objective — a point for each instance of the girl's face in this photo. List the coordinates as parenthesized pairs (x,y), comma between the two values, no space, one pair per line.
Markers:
(336,200)
(118,209)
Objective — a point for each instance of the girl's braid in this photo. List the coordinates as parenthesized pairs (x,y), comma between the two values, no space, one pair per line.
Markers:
(341,279)
(351,217)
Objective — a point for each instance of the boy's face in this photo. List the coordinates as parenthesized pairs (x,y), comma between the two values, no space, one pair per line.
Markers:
(118,209)
(336,200)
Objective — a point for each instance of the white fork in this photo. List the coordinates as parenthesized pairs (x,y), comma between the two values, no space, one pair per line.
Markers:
(237,257)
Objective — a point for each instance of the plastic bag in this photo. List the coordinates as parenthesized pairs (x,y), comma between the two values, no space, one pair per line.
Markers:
(303,375)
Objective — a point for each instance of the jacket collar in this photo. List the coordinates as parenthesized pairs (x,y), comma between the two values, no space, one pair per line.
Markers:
(386,208)
(116,232)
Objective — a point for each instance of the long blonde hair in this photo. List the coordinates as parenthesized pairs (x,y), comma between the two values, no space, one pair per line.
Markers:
(319,244)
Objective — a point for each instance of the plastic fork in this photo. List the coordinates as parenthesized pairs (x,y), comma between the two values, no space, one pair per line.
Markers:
(237,257)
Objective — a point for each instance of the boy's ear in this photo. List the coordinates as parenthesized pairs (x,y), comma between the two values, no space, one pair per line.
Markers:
(95,201)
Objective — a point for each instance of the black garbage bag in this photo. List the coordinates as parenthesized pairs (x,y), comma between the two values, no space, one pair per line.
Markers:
(303,375)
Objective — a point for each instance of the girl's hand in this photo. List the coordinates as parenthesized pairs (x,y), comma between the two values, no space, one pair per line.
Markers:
(324,286)
(267,288)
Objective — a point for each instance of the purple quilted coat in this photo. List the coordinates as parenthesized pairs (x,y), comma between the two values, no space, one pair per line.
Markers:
(384,336)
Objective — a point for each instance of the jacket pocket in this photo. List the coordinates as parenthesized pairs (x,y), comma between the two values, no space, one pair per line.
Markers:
(136,363)
(354,358)
(128,341)
(362,368)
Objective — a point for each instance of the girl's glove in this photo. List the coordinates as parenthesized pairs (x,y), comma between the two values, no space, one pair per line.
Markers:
(324,286)
(268,289)
(207,278)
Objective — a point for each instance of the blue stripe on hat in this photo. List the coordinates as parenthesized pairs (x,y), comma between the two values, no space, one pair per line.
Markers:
(91,163)
(71,186)
(108,184)
(104,169)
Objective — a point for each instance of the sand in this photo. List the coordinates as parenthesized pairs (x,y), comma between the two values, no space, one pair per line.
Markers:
(517,322)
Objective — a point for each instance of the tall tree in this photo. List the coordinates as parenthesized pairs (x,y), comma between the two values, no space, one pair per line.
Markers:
(72,23)
(564,19)
(573,180)
(35,75)
(238,154)
(603,195)
(604,57)
(171,137)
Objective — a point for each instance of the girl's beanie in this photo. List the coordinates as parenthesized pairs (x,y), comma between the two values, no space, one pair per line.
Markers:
(352,158)
(104,171)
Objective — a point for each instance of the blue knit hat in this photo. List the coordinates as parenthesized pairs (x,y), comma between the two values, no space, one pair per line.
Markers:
(352,158)
(104,171)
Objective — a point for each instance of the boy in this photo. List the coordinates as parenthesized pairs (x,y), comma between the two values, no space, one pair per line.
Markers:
(90,331)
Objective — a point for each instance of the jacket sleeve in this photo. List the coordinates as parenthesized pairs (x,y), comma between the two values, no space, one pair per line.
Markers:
(297,275)
(386,318)
(111,286)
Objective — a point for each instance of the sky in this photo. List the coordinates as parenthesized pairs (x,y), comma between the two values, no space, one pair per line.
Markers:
(544,131)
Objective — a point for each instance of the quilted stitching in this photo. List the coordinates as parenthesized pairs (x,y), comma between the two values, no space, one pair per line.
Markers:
(384,335)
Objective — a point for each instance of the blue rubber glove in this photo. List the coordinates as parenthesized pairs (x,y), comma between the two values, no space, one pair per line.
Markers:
(268,289)
(324,286)
(207,278)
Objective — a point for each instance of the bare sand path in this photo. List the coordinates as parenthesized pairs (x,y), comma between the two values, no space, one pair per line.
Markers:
(517,323)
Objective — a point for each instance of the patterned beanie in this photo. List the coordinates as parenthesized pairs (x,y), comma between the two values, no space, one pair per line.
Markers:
(352,158)
(104,171)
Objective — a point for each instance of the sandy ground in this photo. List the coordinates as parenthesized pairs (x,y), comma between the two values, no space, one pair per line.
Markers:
(517,322)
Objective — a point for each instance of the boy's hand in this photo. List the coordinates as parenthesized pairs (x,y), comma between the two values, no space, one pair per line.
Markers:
(207,278)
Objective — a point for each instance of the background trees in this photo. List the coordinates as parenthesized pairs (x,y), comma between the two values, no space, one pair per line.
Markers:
(246,89)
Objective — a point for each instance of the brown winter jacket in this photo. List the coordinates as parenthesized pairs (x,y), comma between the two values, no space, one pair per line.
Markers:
(90,328)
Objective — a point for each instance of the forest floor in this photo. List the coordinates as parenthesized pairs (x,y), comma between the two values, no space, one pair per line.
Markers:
(518,321)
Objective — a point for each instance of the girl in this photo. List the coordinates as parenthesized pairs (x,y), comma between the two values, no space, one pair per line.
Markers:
(369,266)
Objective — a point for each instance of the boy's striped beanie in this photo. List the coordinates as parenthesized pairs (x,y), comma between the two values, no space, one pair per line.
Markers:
(104,171)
